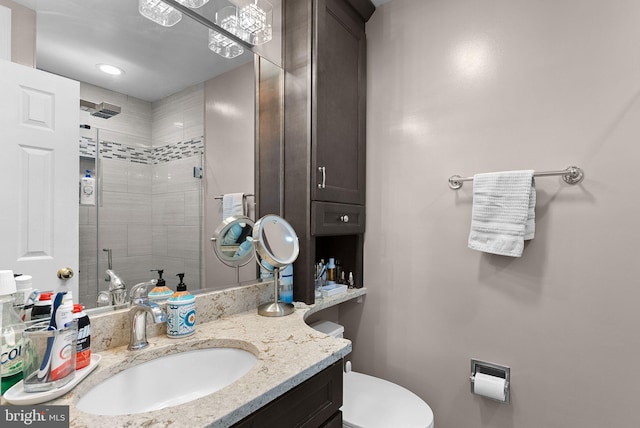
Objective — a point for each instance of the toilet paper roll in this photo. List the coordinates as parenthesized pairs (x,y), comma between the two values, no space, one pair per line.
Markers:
(489,386)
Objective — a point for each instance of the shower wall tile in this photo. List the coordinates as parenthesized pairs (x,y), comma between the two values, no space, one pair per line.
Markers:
(160,178)
(87,215)
(139,178)
(135,118)
(171,266)
(87,244)
(180,175)
(114,237)
(139,240)
(114,175)
(134,269)
(192,210)
(183,241)
(168,209)
(179,117)
(159,235)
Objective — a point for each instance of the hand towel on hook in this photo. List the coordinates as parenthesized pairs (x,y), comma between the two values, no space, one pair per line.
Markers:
(503,214)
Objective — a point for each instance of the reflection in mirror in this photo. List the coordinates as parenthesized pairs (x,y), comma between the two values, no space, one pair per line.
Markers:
(232,241)
(276,245)
(152,199)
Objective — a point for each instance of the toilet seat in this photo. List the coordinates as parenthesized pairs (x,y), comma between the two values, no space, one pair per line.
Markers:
(370,402)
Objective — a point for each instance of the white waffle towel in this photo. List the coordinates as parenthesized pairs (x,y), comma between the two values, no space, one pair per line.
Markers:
(503,214)
(232,205)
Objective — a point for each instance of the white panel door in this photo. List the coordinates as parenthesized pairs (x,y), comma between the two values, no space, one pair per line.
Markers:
(39,132)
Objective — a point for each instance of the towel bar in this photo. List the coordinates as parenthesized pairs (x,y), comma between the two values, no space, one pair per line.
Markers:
(571,175)
(244,197)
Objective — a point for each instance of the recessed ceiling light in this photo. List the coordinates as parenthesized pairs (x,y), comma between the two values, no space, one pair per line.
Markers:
(110,69)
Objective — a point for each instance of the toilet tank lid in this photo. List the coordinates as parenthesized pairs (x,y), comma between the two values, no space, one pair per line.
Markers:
(328,327)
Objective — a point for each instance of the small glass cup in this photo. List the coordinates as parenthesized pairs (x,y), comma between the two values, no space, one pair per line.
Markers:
(319,282)
(49,357)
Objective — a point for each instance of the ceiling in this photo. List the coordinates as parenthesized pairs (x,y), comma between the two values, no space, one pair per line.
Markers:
(73,36)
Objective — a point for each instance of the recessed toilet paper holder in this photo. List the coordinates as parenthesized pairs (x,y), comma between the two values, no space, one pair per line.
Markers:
(492,369)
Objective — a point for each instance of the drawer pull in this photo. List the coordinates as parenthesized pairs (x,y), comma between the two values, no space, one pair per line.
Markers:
(324,177)
(344,218)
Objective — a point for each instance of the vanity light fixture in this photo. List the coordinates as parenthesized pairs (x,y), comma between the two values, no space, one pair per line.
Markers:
(227,18)
(159,12)
(163,14)
(245,24)
(255,17)
(110,69)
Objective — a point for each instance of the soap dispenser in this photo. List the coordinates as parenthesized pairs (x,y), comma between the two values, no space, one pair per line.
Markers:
(181,312)
(160,291)
(87,189)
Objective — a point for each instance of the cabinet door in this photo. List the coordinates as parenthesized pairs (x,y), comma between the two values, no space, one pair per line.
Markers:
(338,116)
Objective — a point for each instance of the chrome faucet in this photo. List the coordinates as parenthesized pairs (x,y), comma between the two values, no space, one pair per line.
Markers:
(140,307)
(117,294)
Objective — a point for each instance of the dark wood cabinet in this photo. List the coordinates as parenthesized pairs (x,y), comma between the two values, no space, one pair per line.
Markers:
(312,404)
(316,177)
(339,59)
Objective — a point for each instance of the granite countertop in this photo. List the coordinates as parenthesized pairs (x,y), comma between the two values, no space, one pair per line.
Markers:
(288,351)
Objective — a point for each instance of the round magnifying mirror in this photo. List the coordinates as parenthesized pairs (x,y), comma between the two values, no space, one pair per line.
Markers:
(276,245)
(232,241)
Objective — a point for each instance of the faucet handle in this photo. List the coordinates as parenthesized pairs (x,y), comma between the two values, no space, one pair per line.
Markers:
(139,291)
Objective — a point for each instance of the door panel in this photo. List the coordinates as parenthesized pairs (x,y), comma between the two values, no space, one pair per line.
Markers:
(39,132)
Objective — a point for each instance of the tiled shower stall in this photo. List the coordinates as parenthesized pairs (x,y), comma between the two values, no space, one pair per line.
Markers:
(149,195)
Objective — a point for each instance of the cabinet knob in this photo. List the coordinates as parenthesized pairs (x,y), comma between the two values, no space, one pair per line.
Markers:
(344,218)
(323,171)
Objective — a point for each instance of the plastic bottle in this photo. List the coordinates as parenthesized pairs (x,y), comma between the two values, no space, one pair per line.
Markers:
(181,312)
(11,343)
(87,189)
(25,296)
(42,306)
(285,289)
(63,362)
(331,271)
(160,291)
(83,345)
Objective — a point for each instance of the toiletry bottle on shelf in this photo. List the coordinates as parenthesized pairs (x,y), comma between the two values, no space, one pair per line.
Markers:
(87,189)
(11,343)
(331,271)
(181,312)
(160,291)
(351,282)
(83,345)
(285,290)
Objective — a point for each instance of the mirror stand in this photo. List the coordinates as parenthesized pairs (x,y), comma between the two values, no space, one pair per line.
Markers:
(275,308)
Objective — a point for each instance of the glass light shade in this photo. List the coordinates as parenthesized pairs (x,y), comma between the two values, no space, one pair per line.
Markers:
(159,12)
(255,18)
(193,4)
(227,18)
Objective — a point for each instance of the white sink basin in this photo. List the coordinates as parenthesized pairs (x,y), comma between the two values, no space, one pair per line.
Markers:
(167,381)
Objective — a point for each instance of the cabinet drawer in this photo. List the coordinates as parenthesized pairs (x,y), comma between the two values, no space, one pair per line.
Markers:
(336,219)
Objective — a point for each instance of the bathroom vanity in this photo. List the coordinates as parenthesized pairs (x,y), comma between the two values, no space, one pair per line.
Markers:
(296,380)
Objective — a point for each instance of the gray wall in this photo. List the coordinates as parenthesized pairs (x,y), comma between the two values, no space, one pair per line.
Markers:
(229,160)
(23,33)
(465,87)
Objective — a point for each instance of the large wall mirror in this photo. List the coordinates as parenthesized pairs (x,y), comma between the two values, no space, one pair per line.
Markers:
(175,133)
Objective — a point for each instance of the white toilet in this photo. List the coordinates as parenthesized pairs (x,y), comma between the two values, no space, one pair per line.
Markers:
(370,402)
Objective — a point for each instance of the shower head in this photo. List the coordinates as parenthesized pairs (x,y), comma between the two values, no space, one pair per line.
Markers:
(102,110)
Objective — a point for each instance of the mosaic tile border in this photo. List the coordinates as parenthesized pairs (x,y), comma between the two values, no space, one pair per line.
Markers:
(147,156)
